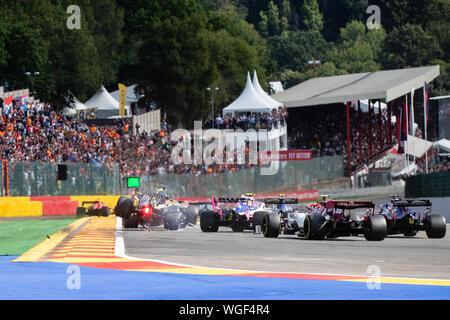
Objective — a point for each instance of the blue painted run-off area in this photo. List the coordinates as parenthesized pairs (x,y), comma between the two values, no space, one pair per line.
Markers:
(48,281)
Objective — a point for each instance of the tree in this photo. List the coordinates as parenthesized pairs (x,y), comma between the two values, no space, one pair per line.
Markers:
(294,49)
(410,46)
(311,17)
(174,66)
(357,49)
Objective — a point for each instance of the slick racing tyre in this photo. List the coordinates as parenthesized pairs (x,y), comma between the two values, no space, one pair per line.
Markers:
(104,212)
(124,207)
(435,226)
(209,221)
(258,218)
(271,225)
(314,227)
(131,222)
(172,221)
(192,214)
(375,228)
(81,212)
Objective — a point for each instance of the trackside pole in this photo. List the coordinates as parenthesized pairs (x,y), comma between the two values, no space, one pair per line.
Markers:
(413,133)
(425,98)
(349,144)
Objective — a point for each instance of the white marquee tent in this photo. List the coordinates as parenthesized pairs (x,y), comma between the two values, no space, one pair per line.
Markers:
(270,101)
(105,103)
(74,108)
(249,101)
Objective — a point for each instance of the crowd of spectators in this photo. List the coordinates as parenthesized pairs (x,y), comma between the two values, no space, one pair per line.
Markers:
(33,132)
(324,131)
(249,120)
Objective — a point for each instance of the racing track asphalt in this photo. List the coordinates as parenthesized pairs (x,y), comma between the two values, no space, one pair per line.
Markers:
(396,256)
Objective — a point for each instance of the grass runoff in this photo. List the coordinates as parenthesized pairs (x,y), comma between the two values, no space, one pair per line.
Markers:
(17,237)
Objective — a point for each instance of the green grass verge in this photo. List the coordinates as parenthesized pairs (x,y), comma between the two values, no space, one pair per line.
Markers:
(17,237)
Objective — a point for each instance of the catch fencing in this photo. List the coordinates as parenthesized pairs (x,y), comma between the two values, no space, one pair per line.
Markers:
(40,179)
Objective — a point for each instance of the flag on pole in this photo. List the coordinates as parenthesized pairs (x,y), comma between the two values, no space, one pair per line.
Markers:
(411,114)
(403,123)
(426,100)
(122,99)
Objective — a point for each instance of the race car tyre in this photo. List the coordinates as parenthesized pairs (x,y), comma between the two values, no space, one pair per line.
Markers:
(375,228)
(271,225)
(314,227)
(172,221)
(124,207)
(209,221)
(192,214)
(435,226)
(237,227)
(81,212)
(131,222)
(104,212)
(258,218)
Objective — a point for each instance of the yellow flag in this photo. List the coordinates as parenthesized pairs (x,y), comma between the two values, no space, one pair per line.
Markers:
(122,99)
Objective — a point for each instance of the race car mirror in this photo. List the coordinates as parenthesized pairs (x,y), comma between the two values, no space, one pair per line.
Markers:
(134,182)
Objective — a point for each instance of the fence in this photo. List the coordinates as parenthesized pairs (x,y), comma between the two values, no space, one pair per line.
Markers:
(250,180)
(40,179)
(431,185)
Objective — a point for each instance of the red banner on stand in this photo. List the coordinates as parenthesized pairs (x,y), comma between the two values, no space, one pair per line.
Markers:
(290,155)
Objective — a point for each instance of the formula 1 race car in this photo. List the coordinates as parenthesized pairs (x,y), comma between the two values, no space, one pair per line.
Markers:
(401,219)
(154,209)
(96,208)
(240,214)
(331,219)
(291,219)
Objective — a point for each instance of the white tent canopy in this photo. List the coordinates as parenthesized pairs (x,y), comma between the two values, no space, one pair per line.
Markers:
(443,145)
(105,103)
(269,100)
(75,106)
(131,95)
(248,101)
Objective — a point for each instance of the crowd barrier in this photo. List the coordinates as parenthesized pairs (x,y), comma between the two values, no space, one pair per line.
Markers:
(17,207)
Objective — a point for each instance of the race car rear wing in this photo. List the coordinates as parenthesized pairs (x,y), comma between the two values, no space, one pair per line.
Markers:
(350,205)
(279,200)
(411,203)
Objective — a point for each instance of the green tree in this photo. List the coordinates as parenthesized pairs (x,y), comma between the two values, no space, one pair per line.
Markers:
(357,49)
(410,46)
(174,66)
(311,17)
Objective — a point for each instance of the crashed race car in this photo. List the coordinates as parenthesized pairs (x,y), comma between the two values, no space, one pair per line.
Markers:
(154,209)
(403,217)
(96,208)
(328,219)
(239,214)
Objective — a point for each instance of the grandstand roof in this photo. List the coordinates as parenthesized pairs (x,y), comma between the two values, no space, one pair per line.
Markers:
(385,85)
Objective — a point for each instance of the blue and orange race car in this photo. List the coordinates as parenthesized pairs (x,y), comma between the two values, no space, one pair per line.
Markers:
(404,217)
